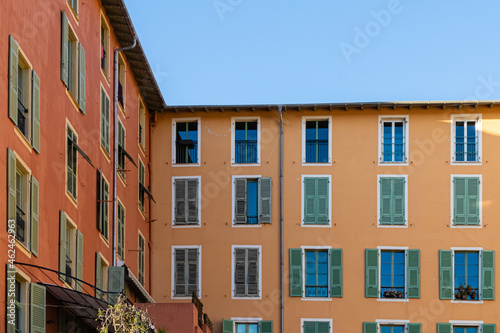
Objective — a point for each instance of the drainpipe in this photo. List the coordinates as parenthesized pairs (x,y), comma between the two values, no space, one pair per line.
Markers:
(115,139)
(281,220)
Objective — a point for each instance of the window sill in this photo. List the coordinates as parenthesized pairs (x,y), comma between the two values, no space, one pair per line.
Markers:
(73,100)
(106,154)
(142,149)
(141,211)
(467,302)
(311,225)
(392,163)
(23,139)
(316,164)
(106,77)
(105,241)
(400,226)
(258,225)
(317,299)
(73,200)
(186,164)
(393,299)
(454,226)
(466,163)
(186,226)
(184,297)
(122,109)
(122,180)
(22,248)
(72,10)
(245,164)
(248,298)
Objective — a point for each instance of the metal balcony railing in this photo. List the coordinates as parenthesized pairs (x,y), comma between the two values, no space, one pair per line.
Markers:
(392,292)
(466,149)
(245,151)
(398,155)
(186,151)
(316,151)
(316,291)
(464,294)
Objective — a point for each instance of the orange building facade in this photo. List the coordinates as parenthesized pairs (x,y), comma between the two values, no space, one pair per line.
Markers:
(388,215)
(66,246)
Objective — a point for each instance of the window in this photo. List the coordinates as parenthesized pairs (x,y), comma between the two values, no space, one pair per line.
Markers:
(121,231)
(316,140)
(396,326)
(316,325)
(24,95)
(186,194)
(393,142)
(141,186)
(316,272)
(142,256)
(316,200)
(70,252)
(467,274)
(72,149)
(245,141)
(101,276)
(392,273)
(105,54)
(186,138)
(122,92)
(104,121)
(186,262)
(466,203)
(392,200)
(23,202)
(466,146)
(121,150)
(252,200)
(246,272)
(142,125)
(246,325)
(465,327)
(102,205)
(72,63)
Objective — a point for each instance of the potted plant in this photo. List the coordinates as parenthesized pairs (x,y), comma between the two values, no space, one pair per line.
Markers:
(400,294)
(473,294)
(468,288)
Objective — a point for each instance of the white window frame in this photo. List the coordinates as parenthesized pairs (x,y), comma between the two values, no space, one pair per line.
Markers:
(24,281)
(172,277)
(234,120)
(479,130)
(26,175)
(473,323)
(107,33)
(174,130)
(379,225)
(70,224)
(452,202)
(392,322)
(406,128)
(27,101)
(391,248)
(479,263)
(313,248)
(233,263)
(233,200)
(330,139)
(174,201)
(245,320)
(302,320)
(302,203)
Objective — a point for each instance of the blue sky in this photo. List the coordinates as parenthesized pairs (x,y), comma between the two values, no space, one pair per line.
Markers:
(323,51)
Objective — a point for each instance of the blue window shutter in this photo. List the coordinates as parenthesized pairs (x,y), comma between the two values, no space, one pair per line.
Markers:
(372,274)
(414,328)
(443,328)
(413,274)
(34,215)
(488,275)
(488,328)
(64,49)
(37,308)
(227,326)
(370,327)
(472,201)
(13,80)
(460,202)
(335,272)
(35,115)
(445,274)
(296,272)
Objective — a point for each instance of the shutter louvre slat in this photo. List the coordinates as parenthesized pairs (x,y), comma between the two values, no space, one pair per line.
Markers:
(79,259)
(265,202)
(443,328)
(413,274)
(372,273)
(13,80)
(62,244)
(192,201)
(64,49)
(240,213)
(369,327)
(445,274)
(488,275)
(35,115)
(34,215)
(296,272)
(336,289)
(81,78)
(12,195)
(414,328)
(180,201)
(37,308)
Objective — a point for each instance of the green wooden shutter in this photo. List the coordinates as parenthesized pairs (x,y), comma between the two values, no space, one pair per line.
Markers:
(265,200)
(116,282)
(323,327)
(104,121)
(240,214)
(98,275)
(81,78)
(310,327)
(460,202)
(488,275)
(79,259)
(121,232)
(35,115)
(310,211)
(266,326)
(370,327)
(227,326)
(443,328)
(386,200)
(296,272)
(445,274)
(64,49)
(10,299)
(192,201)
(323,184)
(414,328)
(180,201)
(335,272)
(413,273)
(12,192)
(34,215)
(398,197)
(37,308)
(13,80)
(472,201)
(488,328)
(98,199)
(372,275)
(62,244)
